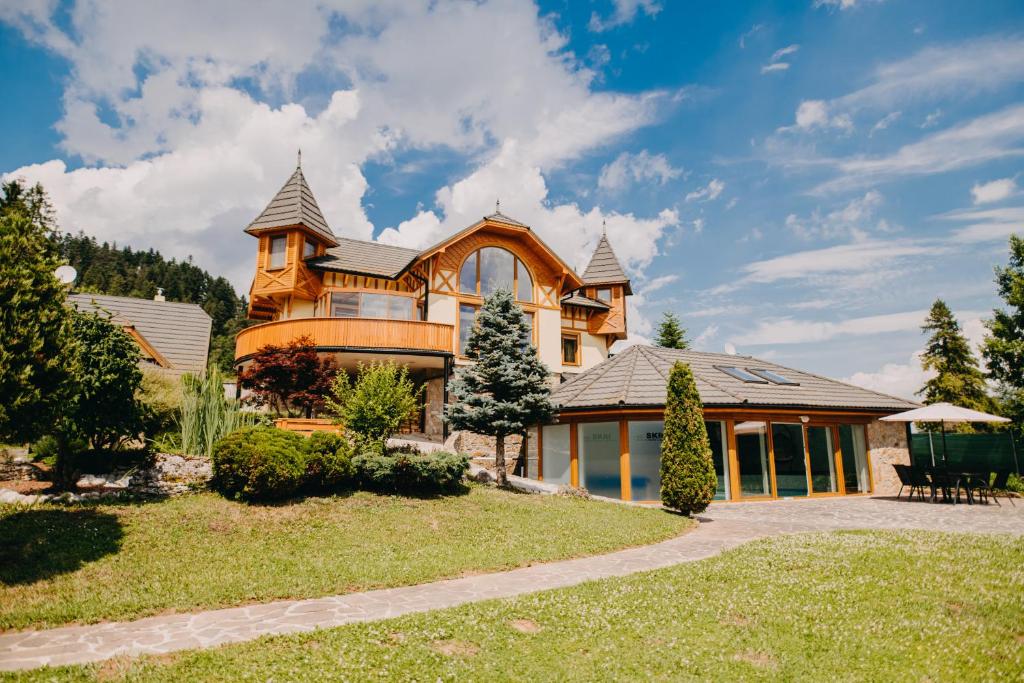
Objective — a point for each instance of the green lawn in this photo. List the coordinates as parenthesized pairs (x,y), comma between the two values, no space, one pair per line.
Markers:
(90,563)
(864,606)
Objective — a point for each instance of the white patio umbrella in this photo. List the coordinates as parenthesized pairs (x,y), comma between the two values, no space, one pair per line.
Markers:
(943,413)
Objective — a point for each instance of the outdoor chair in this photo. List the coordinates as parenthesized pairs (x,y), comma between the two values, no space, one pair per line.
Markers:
(999,486)
(975,482)
(906,475)
(937,480)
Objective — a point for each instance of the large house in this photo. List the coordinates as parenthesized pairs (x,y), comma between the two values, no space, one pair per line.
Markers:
(775,432)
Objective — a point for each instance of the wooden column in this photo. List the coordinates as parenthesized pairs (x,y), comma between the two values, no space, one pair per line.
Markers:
(734,465)
(627,481)
(574,460)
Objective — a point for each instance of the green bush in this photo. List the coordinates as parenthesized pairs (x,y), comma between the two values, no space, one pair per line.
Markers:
(45,450)
(329,461)
(404,471)
(372,409)
(259,463)
(160,397)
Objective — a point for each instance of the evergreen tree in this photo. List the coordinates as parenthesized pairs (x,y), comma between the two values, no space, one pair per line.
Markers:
(688,480)
(671,335)
(506,388)
(34,322)
(958,379)
(1003,348)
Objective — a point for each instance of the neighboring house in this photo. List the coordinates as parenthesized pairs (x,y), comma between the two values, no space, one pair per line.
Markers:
(362,301)
(775,432)
(174,338)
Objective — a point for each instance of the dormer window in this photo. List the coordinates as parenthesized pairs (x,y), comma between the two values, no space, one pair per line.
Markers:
(308,249)
(277,252)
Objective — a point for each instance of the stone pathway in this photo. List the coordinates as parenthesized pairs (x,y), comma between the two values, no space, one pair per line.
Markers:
(724,526)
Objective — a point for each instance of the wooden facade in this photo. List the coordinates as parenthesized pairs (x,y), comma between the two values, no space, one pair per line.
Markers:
(356,333)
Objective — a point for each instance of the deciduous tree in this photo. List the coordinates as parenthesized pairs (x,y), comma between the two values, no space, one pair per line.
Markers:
(290,379)
(1003,348)
(375,406)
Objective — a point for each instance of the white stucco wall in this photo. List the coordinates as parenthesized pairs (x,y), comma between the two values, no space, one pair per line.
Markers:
(442,309)
(549,338)
(302,308)
(594,351)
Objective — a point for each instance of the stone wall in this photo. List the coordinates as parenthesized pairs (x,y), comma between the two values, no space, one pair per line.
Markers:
(481,448)
(434,398)
(888,444)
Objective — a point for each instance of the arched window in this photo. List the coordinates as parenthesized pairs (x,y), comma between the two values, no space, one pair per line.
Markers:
(489,268)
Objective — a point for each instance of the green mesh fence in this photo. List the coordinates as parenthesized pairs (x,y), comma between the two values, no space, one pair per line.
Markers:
(994,452)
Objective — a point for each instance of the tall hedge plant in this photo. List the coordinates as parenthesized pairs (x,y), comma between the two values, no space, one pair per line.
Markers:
(688,479)
(207,414)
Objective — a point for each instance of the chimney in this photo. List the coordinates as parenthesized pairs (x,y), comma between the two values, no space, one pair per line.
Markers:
(159,295)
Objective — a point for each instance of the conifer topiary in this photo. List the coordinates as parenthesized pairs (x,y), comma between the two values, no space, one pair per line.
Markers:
(688,480)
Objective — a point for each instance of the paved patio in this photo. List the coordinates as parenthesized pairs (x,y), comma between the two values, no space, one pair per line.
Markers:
(724,526)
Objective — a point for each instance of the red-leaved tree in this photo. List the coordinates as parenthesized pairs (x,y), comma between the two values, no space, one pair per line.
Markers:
(292,380)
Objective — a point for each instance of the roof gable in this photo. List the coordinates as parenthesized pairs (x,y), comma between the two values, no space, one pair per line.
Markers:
(294,205)
(639,377)
(604,267)
(179,333)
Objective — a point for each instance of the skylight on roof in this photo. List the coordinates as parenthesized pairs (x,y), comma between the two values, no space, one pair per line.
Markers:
(741,374)
(774,377)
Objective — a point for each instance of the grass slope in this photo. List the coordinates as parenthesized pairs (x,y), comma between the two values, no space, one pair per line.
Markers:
(92,563)
(856,606)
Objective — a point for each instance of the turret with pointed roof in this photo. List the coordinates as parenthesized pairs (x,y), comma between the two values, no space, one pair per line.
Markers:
(294,205)
(604,267)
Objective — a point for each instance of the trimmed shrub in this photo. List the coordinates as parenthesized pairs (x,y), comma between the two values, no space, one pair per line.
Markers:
(402,471)
(259,463)
(688,479)
(329,461)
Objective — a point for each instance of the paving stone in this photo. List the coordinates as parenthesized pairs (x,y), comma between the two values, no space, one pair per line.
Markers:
(723,526)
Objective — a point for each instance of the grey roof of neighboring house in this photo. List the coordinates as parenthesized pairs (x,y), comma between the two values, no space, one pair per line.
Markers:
(294,204)
(638,377)
(180,332)
(577,299)
(365,258)
(604,267)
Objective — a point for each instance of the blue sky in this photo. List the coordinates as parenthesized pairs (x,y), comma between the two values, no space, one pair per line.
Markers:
(798,180)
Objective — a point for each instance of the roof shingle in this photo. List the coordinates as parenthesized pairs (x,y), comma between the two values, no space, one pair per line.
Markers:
(294,204)
(365,258)
(638,377)
(604,267)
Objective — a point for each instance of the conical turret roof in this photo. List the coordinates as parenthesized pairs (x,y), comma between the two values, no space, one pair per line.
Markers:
(604,267)
(294,204)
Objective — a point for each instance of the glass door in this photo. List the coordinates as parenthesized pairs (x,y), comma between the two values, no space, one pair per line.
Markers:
(752,458)
(790,463)
(822,459)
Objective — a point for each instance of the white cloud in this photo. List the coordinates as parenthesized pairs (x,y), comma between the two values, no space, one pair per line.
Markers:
(625,12)
(754,30)
(790,331)
(698,225)
(774,67)
(702,340)
(782,52)
(815,115)
(191,157)
(885,122)
(658,283)
(841,4)
(997,135)
(709,192)
(994,190)
(642,167)
(932,119)
(855,219)
(983,225)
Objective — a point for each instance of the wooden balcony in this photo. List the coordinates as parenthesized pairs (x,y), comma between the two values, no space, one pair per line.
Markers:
(354,333)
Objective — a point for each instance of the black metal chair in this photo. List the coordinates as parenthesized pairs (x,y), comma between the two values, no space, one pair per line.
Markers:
(938,479)
(906,475)
(975,482)
(999,486)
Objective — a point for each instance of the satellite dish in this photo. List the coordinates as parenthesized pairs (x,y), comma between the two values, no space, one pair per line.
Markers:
(66,274)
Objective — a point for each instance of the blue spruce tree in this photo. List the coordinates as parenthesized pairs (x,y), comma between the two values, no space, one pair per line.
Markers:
(506,388)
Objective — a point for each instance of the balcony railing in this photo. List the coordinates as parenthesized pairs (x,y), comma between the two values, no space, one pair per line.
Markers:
(363,333)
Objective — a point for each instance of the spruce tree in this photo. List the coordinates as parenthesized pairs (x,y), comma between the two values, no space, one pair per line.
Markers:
(1003,348)
(688,480)
(671,335)
(958,379)
(506,388)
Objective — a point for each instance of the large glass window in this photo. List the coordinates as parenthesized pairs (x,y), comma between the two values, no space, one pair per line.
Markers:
(822,457)
(467,316)
(371,305)
(790,465)
(645,458)
(599,458)
(716,435)
(555,453)
(853,447)
(278,246)
(752,457)
(489,268)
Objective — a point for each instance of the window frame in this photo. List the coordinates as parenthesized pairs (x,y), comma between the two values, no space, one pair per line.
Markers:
(767,374)
(597,294)
(310,245)
(724,369)
(517,261)
(270,252)
(579,348)
(460,352)
(358,294)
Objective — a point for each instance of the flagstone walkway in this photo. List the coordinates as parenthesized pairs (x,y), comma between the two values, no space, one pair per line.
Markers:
(724,526)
